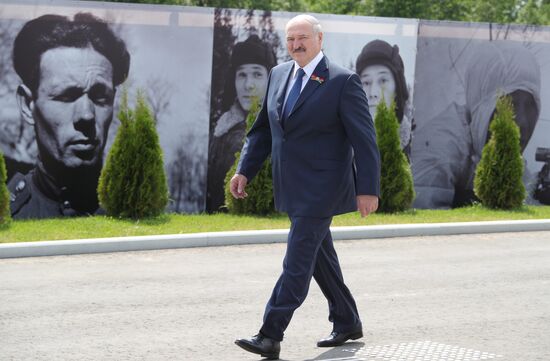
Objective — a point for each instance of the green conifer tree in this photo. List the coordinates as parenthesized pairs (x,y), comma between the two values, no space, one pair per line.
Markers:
(133,181)
(396,183)
(4,194)
(260,190)
(498,179)
(113,178)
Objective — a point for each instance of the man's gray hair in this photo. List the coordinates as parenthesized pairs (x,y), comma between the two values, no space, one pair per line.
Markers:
(315,24)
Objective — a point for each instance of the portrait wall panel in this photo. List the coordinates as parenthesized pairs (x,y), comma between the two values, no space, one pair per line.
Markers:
(247,45)
(461,69)
(383,52)
(166,61)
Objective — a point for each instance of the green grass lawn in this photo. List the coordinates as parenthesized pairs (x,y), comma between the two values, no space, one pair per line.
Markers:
(100,226)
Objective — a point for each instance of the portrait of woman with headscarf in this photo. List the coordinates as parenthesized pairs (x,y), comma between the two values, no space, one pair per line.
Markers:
(382,74)
(251,61)
(448,148)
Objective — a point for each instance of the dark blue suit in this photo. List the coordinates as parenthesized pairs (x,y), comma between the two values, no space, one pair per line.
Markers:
(325,156)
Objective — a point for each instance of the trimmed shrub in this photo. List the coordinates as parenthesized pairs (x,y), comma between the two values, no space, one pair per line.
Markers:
(113,178)
(396,182)
(260,190)
(4,193)
(498,179)
(133,182)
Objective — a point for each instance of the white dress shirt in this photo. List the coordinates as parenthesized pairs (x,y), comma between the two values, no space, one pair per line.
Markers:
(308,70)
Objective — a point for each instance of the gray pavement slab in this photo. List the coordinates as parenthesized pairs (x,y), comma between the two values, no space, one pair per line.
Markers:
(445,298)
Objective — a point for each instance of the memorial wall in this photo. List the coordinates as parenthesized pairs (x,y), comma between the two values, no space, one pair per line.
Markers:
(201,68)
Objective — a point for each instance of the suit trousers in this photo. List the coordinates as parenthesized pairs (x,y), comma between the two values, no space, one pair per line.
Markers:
(310,252)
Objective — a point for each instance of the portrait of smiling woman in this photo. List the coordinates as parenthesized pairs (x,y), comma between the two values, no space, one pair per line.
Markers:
(382,74)
(251,61)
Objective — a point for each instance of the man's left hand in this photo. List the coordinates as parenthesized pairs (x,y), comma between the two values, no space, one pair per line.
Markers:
(367,204)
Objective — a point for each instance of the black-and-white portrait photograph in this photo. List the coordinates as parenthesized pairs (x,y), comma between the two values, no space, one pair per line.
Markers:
(246,45)
(382,51)
(62,70)
(69,70)
(461,71)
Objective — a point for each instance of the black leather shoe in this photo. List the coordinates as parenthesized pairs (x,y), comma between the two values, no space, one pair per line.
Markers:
(264,346)
(339,338)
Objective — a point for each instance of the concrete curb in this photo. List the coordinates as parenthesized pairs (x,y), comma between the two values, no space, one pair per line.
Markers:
(142,243)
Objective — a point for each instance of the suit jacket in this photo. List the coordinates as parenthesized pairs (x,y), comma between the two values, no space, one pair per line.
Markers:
(326,154)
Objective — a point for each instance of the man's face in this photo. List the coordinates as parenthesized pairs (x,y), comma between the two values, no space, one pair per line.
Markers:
(378,81)
(301,42)
(73,106)
(250,82)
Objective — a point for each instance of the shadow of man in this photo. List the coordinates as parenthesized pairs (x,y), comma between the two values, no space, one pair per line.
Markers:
(345,352)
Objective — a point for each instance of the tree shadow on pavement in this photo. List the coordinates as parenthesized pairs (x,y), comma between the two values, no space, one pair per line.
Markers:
(344,352)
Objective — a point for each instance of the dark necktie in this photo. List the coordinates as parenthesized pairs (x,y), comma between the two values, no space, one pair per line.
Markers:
(293,95)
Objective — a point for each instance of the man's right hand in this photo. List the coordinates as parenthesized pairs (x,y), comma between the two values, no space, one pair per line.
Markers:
(237,185)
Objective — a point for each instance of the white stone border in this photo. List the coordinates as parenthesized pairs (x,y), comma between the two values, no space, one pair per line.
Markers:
(207,239)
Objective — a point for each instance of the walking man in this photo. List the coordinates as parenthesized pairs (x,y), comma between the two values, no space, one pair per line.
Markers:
(315,123)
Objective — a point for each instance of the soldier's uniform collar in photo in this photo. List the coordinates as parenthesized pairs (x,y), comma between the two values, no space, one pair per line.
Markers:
(35,195)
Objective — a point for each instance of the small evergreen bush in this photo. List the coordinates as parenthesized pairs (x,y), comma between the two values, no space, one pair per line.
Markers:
(396,182)
(4,193)
(133,182)
(498,179)
(113,178)
(260,190)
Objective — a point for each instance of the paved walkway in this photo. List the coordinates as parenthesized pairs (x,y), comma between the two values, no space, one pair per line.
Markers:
(444,298)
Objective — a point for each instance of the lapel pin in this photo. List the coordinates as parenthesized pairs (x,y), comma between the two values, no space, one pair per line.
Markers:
(317,79)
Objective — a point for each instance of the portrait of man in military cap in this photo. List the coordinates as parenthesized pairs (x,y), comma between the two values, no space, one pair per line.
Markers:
(69,69)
